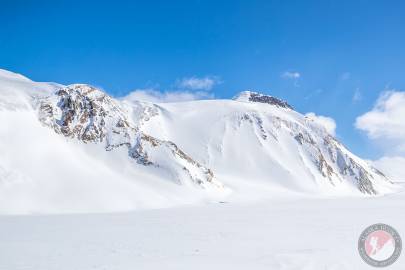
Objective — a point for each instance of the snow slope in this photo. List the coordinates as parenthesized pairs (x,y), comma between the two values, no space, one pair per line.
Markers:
(293,234)
(76,149)
(257,141)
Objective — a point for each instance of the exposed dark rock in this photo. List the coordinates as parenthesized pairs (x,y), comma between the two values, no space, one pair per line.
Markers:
(261,98)
(91,116)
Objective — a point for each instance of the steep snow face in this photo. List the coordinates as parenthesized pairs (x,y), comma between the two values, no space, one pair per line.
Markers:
(259,140)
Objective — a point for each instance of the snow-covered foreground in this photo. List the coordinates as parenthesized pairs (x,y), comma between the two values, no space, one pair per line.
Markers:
(279,234)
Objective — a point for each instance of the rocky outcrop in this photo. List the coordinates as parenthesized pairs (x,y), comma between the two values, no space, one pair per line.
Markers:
(89,115)
(249,96)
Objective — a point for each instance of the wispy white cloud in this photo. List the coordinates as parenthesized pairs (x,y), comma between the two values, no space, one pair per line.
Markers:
(290,75)
(357,96)
(196,83)
(327,122)
(185,89)
(155,96)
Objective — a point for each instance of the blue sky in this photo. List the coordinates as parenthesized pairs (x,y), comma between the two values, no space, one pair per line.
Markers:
(333,58)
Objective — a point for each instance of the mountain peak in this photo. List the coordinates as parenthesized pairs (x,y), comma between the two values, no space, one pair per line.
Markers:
(251,96)
(83,89)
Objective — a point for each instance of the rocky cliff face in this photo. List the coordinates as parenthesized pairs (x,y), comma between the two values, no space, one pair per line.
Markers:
(87,114)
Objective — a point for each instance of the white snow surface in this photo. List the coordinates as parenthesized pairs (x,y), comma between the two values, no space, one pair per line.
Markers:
(291,234)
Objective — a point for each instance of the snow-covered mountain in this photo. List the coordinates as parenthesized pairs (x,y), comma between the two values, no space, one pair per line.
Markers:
(91,116)
(76,149)
(259,138)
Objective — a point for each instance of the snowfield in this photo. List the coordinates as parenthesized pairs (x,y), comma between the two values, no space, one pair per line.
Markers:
(311,234)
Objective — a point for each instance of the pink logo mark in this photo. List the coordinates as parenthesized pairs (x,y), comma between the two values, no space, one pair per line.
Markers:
(378,241)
